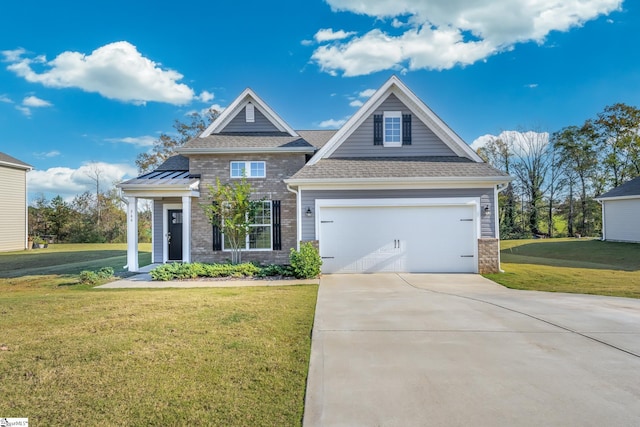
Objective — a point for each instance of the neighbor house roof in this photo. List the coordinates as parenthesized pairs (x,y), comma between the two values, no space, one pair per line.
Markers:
(630,189)
(397,168)
(7,160)
(239,142)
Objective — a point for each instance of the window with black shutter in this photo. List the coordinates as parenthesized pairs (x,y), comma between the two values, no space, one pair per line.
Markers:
(277,229)
(406,129)
(217,237)
(377,129)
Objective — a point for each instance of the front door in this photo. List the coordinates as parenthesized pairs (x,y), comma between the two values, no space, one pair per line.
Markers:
(174,237)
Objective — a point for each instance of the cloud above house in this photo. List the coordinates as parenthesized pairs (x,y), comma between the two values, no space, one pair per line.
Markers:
(521,142)
(138,141)
(30,102)
(438,35)
(332,123)
(68,182)
(115,71)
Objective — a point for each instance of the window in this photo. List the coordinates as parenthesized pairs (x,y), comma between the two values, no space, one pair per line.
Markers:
(248,169)
(392,128)
(259,237)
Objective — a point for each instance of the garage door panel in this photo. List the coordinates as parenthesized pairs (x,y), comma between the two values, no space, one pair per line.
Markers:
(398,239)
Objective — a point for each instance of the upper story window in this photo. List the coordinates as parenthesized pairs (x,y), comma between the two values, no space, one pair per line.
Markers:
(392,122)
(248,169)
(392,129)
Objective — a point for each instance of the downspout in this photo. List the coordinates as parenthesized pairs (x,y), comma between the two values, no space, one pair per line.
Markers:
(298,216)
(499,188)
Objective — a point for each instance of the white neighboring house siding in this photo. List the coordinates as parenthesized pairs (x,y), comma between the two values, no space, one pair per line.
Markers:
(13,199)
(622,220)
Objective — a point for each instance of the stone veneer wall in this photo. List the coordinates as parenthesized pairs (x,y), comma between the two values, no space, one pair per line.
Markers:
(278,168)
(488,256)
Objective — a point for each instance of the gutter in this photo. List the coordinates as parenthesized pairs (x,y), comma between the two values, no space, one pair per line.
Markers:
(298,215)
(186,151)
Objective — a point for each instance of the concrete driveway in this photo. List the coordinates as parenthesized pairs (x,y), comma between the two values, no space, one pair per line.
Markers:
(459,350)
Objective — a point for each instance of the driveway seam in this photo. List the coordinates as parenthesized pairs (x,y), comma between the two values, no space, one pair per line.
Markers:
(636,355)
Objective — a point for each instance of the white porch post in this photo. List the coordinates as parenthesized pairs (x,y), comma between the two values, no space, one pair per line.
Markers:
(132,233)
(186,229)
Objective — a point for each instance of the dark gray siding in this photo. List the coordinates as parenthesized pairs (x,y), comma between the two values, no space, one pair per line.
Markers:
(423,141)
(487,223)
(157,230)
(239,124)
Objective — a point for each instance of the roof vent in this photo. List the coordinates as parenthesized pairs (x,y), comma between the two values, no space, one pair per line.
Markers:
(250,113)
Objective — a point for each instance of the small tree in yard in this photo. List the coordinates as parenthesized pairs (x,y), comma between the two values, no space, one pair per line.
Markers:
(232,211)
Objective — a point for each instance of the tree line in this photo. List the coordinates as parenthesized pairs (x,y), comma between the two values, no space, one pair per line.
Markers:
(557,177)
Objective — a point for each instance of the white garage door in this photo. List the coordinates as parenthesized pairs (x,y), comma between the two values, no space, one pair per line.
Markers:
(398,239)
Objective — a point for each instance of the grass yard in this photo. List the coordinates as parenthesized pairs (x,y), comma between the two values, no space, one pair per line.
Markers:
(72,355)
(583,266)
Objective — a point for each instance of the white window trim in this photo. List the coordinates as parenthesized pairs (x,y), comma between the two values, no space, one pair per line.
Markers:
(391,114)
(246,244)
(247,168)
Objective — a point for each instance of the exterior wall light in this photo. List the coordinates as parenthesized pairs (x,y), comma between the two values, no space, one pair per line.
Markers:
(308,212)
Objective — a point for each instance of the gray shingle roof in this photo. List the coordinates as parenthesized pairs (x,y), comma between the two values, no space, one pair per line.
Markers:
(397,167)
(629,188)
(5,158)
(247,140)
(317,138)
(175,163)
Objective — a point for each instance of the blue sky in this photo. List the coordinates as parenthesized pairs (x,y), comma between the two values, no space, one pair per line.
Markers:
(96,82)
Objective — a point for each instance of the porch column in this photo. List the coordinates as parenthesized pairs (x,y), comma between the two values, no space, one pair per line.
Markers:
(186,229)
(132,233)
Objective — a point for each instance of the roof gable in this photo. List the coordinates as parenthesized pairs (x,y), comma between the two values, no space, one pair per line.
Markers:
(419,109)
(238,106)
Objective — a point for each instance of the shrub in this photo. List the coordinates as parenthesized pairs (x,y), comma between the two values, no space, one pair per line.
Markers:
(196,269)
(306,262)
(275,270)
(88,277)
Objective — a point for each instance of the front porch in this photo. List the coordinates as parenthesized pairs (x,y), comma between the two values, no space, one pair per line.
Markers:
(171,190)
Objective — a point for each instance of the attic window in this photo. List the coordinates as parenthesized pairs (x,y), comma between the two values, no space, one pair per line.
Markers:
(250,114)
(392,122)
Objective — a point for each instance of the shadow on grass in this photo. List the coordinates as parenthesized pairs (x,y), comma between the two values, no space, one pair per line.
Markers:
(590,254)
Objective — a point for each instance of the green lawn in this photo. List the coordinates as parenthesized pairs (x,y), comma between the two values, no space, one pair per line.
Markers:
(72,355)
(571,265)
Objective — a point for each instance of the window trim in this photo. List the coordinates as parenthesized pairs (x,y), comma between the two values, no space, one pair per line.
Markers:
(247,168)
(246,244)
(394,115)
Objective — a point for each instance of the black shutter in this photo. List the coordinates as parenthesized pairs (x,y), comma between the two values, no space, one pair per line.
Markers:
(217,237)
(377,129)
(406,129)
(275,223)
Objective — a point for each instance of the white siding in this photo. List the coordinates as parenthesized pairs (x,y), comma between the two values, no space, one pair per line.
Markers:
(13,198)
(622,220)
(423,141)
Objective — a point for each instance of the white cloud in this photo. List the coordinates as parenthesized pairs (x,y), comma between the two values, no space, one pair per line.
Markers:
(332,123)
(442,35)
(34,101)
(306,42)
(205,111)
(356,103)
(48,154)
(520,142)
(327,34)
(367,93)
(68,182)
(24,110)
(138,141)
(205,96)
(532,85)
(115,71)
(6,99)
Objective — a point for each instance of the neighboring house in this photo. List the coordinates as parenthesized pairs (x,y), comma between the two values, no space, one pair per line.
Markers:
(13,199)
(621,212)
(393,190)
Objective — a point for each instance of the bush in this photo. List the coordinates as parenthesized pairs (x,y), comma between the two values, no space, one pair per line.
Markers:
(275,270)
(88,277)
(306,262)
(196,269)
